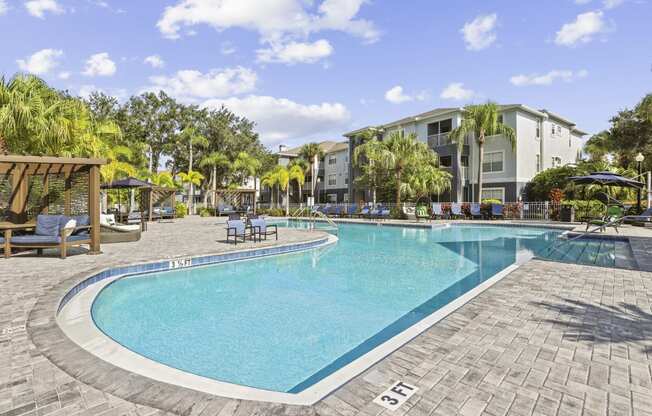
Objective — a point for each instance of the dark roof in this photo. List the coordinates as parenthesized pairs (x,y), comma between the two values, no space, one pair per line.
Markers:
(127,184)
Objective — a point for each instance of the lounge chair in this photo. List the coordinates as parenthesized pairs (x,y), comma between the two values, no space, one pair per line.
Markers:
(374,213)
(613,218)
(234,217)
(384,213)
(643,218)
(456,211)
(53,231)
(421,212)
(260,227)
(364,212)
(225,210)
(475,210)
(237,229)
(351,210)
(497,211)
(437,211)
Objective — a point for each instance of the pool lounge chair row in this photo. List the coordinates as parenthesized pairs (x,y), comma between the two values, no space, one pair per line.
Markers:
(456,212)
(379,212)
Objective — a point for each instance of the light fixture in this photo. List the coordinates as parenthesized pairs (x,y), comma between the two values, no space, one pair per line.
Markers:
(640,157)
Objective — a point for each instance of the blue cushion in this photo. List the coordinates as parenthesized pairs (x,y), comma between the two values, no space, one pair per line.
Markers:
(35,239)
(260,223)
(2,240)
(48,225)
(78,237)
(238,225)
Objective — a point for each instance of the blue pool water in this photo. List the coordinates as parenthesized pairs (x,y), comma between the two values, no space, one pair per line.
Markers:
(282,323)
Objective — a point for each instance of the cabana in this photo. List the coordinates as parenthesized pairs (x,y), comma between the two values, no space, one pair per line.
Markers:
(53,186)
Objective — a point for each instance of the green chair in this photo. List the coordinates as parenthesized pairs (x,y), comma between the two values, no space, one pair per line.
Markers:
(421,212)
(613,218)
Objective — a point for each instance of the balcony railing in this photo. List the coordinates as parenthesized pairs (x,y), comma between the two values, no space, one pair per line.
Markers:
(438,140)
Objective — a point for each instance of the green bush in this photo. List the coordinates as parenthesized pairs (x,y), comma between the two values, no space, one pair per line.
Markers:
(276,212)
(585,209)
(180,210)
(205,212)
(398,214)
(492,201)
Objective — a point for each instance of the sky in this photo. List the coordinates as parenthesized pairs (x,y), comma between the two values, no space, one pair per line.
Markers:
(307,70)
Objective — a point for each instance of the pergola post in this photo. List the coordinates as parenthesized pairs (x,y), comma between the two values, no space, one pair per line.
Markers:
(94,207)
(17,213)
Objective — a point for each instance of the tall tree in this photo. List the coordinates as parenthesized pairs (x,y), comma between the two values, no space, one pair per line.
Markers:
(247,166)
(312,152)
(296,173)
(482,121)
(191,178)
(365,156)
(214,161)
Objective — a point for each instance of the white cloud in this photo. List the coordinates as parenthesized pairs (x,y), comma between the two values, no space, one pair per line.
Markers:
(101,65)
(41,62)
(189,85)
(610,4)
(38,8)
(275,21)
(396,95)
(4,7)
(227,48)
(282,120)
(480,33)
(155,61)
(295,52)
(547,79)
(607,4)
(64,75)
(582,30)
(456,91)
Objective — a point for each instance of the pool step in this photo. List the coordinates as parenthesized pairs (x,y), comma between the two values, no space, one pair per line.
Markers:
(593,252)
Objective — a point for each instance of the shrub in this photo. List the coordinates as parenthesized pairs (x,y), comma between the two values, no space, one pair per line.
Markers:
(180,210)
(398,214)
(585,209)
(205,212)
(489,201)
(276,212)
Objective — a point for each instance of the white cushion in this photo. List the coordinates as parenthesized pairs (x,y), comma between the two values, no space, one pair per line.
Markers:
(71,224)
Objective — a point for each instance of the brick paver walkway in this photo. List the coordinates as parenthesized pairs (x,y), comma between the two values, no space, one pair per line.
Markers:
(549,339)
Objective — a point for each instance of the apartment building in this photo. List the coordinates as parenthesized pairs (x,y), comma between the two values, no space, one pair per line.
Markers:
(543,140)
(332,173)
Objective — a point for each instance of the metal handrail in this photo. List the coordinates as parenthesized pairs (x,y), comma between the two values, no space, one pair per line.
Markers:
(554,248)
(325,217)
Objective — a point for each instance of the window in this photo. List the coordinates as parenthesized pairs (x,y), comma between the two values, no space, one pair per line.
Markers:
(493,162)
(445,161)
(538,132)
(346,197)
(464,160)
(332,198)
(440,127)
(346,180)
(493,193)
(556,161)
(332,180)
(332,160)
(538,163)
(501,119)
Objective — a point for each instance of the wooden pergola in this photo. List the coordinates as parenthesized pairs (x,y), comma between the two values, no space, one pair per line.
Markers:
(33,185)
(157,196)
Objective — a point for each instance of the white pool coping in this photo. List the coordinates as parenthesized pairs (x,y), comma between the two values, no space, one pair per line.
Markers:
(77,323)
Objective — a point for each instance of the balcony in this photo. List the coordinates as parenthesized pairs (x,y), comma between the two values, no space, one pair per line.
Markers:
(438,140)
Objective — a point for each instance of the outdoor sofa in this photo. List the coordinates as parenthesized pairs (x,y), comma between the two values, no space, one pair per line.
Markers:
(51,231)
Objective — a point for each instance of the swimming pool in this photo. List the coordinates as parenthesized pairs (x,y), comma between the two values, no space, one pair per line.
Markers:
(284,323)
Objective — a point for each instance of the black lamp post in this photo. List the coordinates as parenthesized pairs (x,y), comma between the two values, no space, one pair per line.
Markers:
(639,161)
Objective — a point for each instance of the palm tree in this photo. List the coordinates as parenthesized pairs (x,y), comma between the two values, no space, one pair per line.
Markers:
(283,180)
(248,166)
(192,178)
(190,136)
(214,161)
(118,166)
(399,153)
(482,121)
(312,152)
(296,173)
(365,156)
(427,179)
(163,179)
(270,180)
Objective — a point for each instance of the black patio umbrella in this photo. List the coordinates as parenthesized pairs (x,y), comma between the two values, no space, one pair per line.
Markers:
(607,179)
(128,183)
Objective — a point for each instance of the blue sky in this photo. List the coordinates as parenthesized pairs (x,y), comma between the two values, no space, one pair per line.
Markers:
(314,69)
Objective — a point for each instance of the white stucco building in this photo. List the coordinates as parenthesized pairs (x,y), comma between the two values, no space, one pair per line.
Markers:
(543,140)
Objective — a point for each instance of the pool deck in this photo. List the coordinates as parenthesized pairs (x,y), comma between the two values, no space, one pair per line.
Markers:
(548,339)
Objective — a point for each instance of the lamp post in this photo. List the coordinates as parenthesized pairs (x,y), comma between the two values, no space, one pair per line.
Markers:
(639,160)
